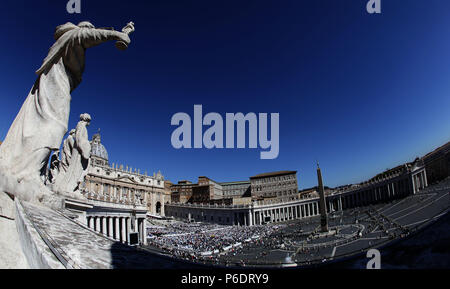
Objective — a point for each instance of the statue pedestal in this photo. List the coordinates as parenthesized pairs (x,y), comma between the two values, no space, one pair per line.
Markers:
(11,253)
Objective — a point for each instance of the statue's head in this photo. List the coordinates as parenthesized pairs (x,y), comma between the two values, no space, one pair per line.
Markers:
(86,118)
(72,132)
(61,29)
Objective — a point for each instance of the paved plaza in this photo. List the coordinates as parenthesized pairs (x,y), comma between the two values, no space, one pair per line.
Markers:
(299,242)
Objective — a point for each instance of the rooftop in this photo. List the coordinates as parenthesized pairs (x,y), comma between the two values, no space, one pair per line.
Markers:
(235,183)
(272,174)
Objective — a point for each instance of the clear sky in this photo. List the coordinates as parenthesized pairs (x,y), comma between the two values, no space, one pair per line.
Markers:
(359,93)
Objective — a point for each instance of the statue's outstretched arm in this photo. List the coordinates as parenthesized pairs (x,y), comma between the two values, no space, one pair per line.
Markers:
(86,37)
(90,37)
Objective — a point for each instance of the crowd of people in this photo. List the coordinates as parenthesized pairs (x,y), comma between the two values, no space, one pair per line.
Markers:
(204,241)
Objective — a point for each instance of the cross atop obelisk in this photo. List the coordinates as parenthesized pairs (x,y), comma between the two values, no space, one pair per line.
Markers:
(322,204)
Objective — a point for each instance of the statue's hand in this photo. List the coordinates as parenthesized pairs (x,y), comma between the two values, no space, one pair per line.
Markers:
(124,40)
(122,44)
(128,28)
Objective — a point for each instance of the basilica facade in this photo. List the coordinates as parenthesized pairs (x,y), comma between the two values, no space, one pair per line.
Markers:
(124,185)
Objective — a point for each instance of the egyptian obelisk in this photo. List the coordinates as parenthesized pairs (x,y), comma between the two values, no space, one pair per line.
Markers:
(322,205)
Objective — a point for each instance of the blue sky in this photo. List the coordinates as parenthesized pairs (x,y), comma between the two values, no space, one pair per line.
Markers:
(360,93)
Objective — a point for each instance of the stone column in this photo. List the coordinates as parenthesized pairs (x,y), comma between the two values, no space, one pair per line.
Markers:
(104,227)
(422,181)
(117,231)
(425,178)
(97,224)
(138,230)
(128,220)
(111,228)
(250,219)
(124,230)
(144,231)
(91,223)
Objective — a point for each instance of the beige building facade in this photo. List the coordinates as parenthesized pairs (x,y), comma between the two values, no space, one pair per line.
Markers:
(123,185)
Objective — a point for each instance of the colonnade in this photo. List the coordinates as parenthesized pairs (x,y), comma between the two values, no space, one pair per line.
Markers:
(378,192)
(282,213)
(118,227)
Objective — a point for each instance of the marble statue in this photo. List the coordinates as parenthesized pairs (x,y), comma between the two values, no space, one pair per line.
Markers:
(66,153)
(68,181)
(54,167)
(42,122)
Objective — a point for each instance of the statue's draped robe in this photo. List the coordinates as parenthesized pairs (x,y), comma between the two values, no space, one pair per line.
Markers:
(42,122)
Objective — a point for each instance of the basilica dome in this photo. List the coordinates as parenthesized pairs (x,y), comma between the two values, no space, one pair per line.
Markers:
(98,151)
